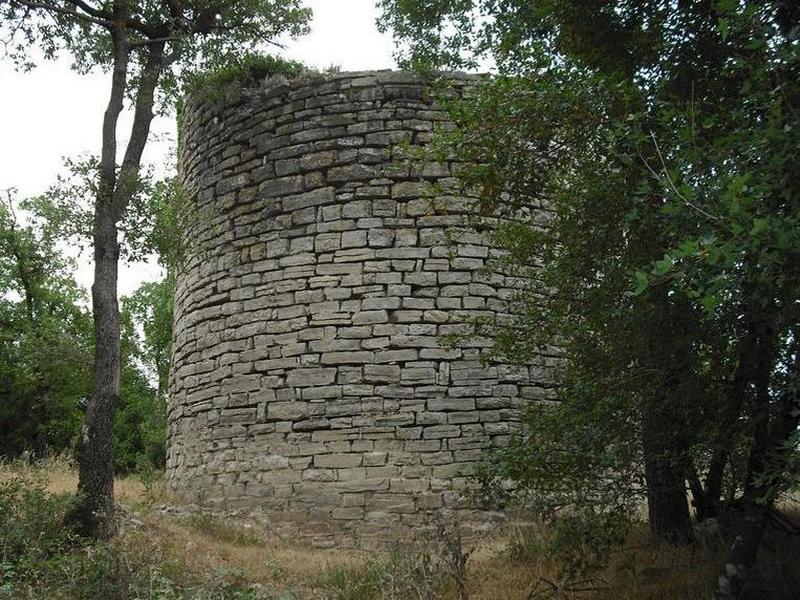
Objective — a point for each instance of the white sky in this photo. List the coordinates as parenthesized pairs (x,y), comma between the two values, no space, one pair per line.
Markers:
(51,112)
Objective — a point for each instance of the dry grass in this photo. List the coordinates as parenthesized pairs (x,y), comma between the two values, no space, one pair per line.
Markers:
(60,475)
(268,561)
(196,545)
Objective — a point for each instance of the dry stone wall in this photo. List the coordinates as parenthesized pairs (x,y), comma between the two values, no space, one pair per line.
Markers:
(310,377)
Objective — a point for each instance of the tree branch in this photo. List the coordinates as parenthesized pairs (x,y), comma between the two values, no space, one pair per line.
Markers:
(74,14)
(140,128)
(141,27)
(23,272)
(694,207)
(113,109)
(158,40)
(233,27)
(12,33)
(90,10)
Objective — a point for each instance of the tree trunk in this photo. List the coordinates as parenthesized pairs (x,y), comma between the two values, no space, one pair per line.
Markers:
(664,417)
(94,516)
(743,553)
(96,473)
(96,466)
(760,418)
(726,434)
(761,493)
(667,502)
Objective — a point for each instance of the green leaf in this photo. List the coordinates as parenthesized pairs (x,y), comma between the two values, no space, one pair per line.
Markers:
(760,225)
(641,280)
(724,28)
(663,266)
(713,255)
(689,247)
(710,303)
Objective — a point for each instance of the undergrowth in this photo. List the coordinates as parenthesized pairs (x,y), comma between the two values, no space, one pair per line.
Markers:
(41,558)
(402,575)
(176,554)
(224,531)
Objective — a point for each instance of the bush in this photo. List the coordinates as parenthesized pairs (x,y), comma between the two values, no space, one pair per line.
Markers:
(140,429)
(242,71)
(356,583)
(41,558)
(31,529)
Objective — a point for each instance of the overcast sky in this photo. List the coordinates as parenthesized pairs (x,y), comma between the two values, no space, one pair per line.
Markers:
(52,112)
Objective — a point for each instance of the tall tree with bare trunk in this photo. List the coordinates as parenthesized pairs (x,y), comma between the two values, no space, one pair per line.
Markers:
(146,46)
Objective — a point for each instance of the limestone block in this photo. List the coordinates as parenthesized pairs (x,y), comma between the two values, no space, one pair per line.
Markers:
(337,461)
(370,317)
(381,373)
(311,377)
(346,358)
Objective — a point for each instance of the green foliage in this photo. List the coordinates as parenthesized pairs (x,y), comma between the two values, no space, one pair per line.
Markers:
(576,542)
(151,228)
(32,529)
(583,481)
(150,307)
(582,541)
(218,528)
(139,435)
(45,339)
(46,348)
(242,71)
(65,208)
(202,35)
(166,204)
(150,225)
(348,583)
(648,157)
(141,421)
(41,557)
(559,456)
(403,574)
(140,427)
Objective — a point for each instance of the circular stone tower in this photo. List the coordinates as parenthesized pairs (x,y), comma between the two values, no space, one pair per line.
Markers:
(310,380)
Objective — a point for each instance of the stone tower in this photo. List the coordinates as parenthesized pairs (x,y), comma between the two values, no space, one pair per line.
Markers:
(310,378)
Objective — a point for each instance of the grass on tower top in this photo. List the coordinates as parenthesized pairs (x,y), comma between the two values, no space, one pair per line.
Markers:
(240,72)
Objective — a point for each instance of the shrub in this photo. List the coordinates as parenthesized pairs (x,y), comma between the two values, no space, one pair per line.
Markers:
(412,572)
(31,529)
(242,71)
(41,558)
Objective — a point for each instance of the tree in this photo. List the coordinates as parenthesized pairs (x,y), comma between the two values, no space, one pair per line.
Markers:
(661,138)
(146,46)
(140,426)
(45,338)
(147,338)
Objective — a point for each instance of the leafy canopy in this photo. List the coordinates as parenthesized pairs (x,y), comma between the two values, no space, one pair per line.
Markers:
(649,150)
(199,34)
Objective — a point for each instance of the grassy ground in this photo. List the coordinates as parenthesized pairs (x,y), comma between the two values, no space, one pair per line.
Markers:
(168,554)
